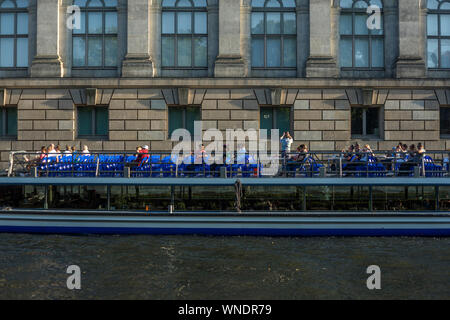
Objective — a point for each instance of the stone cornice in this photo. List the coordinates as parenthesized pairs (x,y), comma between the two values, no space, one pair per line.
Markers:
(42,83)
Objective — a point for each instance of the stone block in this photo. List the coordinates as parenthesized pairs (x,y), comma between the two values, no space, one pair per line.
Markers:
(113,145)
(59,114)
(307,115)
(301,105)
(65,105)
(398,135)
(230,104)
(122,135)
(336,135)
(45,125)
(33,94)
(336,115)
(392,105)
(321,105)
(124,114)
(25,105)
(251,105)
(159,105)
(158,125)
(392,125)
(244,94)
(321,125)
(412,125)
(397,115)
(334,94)
(308,135)
(31,114)
(151,135)
(342,125)
(137,104)
(209,104)
(150,94)
(421,136)
(117,105)
(412,105)
(342,105)
(217,94)
(65,124)
(125,94)
(309,94)
(400,94)
(137,125)
(215,115)
(52,94)
(301,125)
(426,115)
(116,125)
(244,115)
(45,104)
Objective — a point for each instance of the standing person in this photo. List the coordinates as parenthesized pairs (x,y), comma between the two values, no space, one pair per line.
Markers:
(286,143)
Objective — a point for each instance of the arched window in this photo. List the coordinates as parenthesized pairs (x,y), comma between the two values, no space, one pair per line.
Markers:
(361,47)
(184,34)
(438,34)
(274,34)
(14,34)
(95,42)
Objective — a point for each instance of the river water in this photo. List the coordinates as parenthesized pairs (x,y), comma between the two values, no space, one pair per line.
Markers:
(190,267)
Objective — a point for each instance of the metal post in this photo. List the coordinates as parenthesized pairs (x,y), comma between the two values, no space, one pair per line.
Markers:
(11,163)
(370,199)
(108,198)
(322,172)
(416,172)
(127,172)
(436,198)
(340,165)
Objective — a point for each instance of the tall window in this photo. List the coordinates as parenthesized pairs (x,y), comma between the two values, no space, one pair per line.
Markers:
(8,122)
(360,47)
(438,31)
(445,122)
(92,122)
(275,118)
(95,43)
(183,118)
(184,34)
(274,34)
(365,122)
(13,34)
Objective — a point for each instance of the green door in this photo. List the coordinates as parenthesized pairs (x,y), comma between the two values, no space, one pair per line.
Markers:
(266,120)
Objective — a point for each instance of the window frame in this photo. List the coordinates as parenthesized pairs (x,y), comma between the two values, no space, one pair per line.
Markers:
(274,120)
(438,12)
(92,136)
(282,36)
(354,12)
(184,118)
(192,35)
(4,124)
(86,35)
(364,134)
(16,36)
(444,136)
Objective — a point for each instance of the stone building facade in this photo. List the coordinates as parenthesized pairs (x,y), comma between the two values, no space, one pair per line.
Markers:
(234,81)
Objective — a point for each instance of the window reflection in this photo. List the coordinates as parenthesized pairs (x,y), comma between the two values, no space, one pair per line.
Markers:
(184,38)
(13,34)
(95,42)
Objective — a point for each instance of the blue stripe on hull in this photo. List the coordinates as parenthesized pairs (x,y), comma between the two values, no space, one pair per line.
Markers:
(231,232)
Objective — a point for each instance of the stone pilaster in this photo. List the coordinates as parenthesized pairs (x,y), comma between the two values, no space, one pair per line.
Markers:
(411,59)
(321,62)
(229,62)
(155,36)
(213,29)
(137,63)
(47,62)
(246,38)
(302,36)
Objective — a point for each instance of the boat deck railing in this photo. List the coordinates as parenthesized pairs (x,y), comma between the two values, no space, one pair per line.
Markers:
(320,164)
